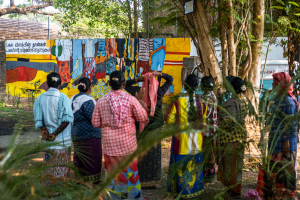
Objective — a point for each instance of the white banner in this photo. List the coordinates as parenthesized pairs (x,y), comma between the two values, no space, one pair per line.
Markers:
(272,67)
(27,47)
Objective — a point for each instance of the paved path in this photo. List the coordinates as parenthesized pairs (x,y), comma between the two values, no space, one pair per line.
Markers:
(23,138)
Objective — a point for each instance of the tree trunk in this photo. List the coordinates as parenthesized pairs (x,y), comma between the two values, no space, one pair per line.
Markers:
(206,44)
(258,33)
(129,17)
(224,46)
(12,3)
(135,19)
(231,44)
(292,42)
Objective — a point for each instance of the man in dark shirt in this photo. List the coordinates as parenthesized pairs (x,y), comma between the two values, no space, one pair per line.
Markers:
(157,120)
(134,90)
(150,165)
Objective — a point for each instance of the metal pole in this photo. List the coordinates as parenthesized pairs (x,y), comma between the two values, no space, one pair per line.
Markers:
(148,20)
(176,22)
(48,28)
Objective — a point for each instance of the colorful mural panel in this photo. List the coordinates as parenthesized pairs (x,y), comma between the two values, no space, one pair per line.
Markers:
(29,62)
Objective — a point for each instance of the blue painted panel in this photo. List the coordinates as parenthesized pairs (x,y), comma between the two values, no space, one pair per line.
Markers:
(172,89)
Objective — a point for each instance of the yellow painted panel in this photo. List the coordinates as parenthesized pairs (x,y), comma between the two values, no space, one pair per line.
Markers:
(15,88)
(175,72)
(174,57)
(11,59)
(48,43)
(72,92)
(178,45)
(43,61)
(30,56)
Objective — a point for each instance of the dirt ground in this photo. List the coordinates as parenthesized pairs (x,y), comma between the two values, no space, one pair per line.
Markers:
(249,177)
(249,172)
(7,126)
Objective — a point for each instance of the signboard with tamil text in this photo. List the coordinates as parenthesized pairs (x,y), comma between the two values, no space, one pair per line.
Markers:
(40,47)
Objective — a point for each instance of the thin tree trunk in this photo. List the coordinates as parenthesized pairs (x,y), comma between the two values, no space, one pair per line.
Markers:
(135,19)
(258,33)
(224,45)
(206,44)
(12,3)
(129,17)
(245,72)
(291,50)
(231,44)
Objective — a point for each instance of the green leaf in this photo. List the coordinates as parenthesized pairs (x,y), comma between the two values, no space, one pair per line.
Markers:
(259,18)
(178,197)
(278,7)
(294,3)
(281,2)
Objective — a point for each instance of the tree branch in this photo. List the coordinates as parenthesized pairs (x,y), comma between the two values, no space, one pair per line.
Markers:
(241,29)
(250,55)
(25,10)
(129,18)
(240,57)
(44,13)
(120,2)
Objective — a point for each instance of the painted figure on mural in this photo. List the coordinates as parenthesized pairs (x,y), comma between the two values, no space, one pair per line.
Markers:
(89,54)
(143,66)
(130,58)
(120,52)
(63,52)
(157,56)
(110,47)
(77,59)
(101,59)
(111,65)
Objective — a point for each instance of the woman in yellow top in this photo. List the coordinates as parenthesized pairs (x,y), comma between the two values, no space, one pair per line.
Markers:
(186,164)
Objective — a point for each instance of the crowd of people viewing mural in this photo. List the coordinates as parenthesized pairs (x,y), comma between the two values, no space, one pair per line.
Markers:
(208,142)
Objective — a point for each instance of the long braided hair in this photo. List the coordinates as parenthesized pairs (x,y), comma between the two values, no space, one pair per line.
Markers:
(191,83)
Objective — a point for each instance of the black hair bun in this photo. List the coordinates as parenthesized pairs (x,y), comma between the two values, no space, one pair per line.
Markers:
(116,80)
(84,84)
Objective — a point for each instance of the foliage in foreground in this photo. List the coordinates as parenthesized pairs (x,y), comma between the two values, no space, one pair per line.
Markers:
(21,177)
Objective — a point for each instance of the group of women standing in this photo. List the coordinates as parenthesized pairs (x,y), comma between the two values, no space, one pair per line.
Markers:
(110,123)
(207,134)
(194,149)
